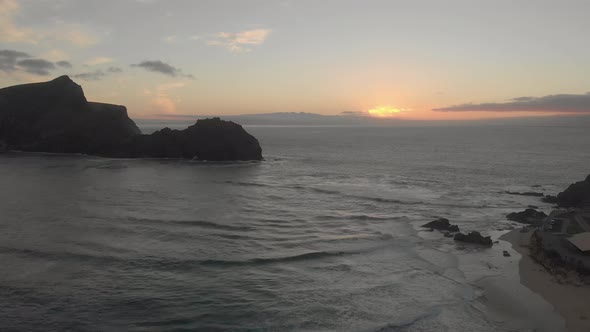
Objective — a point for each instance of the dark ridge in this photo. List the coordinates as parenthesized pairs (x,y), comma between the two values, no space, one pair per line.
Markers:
(576,195)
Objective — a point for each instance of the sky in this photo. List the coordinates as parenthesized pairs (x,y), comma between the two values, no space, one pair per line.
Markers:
(424,60)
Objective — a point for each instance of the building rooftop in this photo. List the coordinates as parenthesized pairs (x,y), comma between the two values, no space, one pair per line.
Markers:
(581,241)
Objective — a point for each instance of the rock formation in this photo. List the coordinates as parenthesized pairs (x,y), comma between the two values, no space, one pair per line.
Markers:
(576,195)
(209,139)
(442,224)
(528,216)
(474,237)
(55,117)
(526,193)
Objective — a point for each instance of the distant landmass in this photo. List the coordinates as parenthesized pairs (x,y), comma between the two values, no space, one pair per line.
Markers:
(55,117)
(360,119)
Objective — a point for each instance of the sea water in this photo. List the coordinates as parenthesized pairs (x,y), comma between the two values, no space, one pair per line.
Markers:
(323,235)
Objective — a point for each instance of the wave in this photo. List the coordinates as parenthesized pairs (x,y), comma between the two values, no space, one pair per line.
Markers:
(323,191)
(361,217)
(248,184)
(357,197)
(164,263)
(286,259)
(198,223)
(403,326)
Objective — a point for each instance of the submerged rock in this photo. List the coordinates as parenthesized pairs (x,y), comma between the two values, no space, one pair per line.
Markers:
(474,237)
(441,224)
(55,117)
(528,216)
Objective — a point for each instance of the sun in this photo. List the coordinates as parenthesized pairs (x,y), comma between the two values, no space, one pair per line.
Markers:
(384,111)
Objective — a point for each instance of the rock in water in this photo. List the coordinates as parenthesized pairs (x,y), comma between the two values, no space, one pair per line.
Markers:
(549,199)
(442,224)
(55,116)
(528,216)
(474,237)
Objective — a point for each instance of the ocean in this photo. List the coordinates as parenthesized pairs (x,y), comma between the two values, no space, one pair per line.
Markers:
(323,235)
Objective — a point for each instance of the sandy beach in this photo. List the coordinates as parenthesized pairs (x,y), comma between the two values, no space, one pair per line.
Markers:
(570,301)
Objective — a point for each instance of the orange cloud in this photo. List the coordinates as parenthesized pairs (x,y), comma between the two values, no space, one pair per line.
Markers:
(163,105)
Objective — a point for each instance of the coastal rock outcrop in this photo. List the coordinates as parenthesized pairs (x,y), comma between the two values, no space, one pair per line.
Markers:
(576,195)
(208,139)
(528,216)
(55,117)
(442,224)
(526,193)
(474,237)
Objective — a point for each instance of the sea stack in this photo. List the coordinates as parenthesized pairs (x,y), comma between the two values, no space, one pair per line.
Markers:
(55,117)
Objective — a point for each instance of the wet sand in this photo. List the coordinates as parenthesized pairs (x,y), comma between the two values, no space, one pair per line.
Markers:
(571,302)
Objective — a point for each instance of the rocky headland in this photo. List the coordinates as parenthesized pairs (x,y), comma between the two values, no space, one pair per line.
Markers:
(576,195)
(55,117)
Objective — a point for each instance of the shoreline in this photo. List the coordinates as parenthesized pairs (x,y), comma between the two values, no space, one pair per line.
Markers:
(569,301)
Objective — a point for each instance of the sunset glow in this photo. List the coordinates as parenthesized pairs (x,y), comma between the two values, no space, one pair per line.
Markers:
(384,112)
(240,59)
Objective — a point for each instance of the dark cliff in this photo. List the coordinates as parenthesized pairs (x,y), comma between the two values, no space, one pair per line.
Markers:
(55,117)
(576,195)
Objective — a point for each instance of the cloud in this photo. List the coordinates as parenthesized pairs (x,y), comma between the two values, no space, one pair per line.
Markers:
(9,59)
(565,103)
(170,39)
(54,55)
(238,42)
(36,66)
(99,60)
(90,76)
(64,64)
(114,70)
(97,74)
(15,61)
(10,32)
(158,66)
(74,34)
(353,113)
